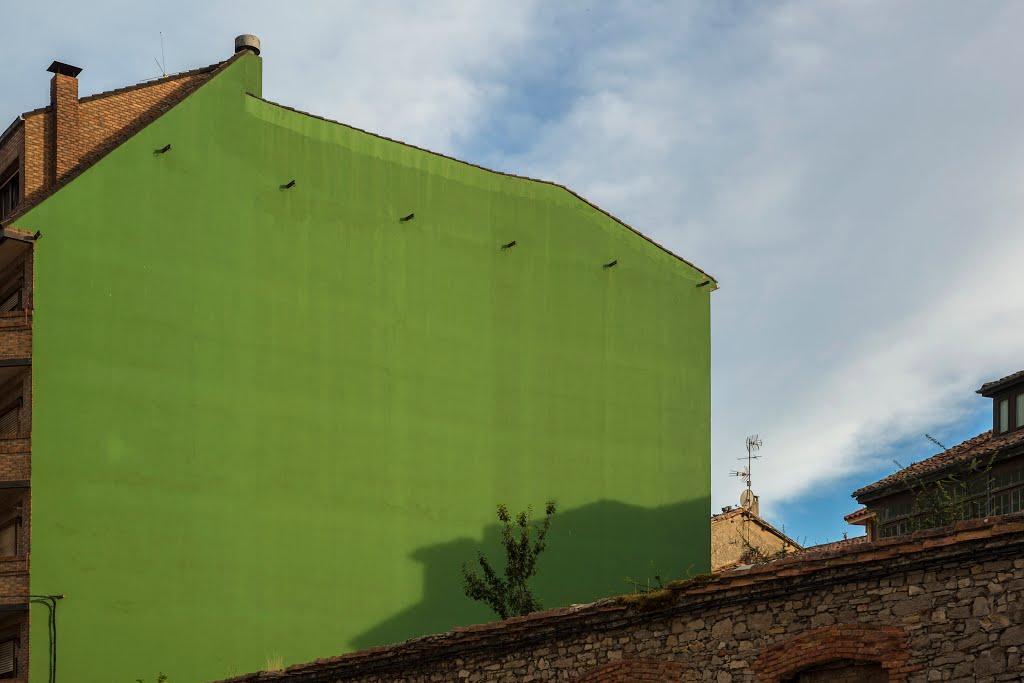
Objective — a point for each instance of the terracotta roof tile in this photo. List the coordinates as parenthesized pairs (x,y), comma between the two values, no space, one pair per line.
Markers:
(856,514)
(988,387)
(844,544)
(980,446)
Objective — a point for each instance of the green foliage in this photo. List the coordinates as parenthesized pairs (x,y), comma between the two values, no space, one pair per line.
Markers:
(511,596)
(961,494)
(649,601)
(160,678)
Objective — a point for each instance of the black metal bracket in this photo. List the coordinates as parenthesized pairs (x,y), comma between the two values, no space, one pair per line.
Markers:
(508,246)
(163,150)
(610,265)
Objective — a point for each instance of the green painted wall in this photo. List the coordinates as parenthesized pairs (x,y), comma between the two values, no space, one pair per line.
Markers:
(277,421)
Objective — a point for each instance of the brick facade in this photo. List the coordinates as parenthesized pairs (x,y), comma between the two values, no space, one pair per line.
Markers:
(942,605)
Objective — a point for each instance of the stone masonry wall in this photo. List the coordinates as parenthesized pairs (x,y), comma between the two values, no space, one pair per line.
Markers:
(943,605)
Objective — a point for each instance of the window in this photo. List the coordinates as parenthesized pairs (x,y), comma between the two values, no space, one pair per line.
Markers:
(10,190)
(9,539)
(901,528)
(10,418)
(1000,503)
(11,299)
(9,658)
(1020,411)
(1004,415)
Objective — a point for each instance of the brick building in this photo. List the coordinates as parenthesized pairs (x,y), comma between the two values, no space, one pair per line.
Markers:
(259,369)
(983,475)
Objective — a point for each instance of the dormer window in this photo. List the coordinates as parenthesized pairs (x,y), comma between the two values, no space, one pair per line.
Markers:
(1007,396)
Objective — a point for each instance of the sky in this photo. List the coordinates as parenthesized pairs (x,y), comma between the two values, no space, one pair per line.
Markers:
(850,172)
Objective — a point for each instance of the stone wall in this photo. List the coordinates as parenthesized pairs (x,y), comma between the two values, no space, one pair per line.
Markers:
(941,605)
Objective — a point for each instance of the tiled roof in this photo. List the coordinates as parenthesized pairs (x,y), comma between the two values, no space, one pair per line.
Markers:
(155,81)
(854,556)
(980,446)
(988,387)
(857,514)
(844,544)
(760,521)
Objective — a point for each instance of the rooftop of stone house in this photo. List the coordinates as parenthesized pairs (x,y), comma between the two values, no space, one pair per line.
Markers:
(844,560)
(982,446)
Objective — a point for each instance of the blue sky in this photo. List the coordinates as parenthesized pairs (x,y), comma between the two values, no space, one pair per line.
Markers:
(850,171)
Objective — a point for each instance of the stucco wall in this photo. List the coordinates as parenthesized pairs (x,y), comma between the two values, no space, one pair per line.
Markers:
(276,420)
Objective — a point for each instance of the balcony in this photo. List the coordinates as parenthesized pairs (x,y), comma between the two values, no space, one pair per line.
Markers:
(14,581)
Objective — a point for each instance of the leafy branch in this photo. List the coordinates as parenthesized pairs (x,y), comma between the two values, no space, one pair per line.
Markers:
(511,596)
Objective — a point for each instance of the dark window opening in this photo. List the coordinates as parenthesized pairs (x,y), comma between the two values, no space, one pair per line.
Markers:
(10,194)
(9,658)
(9,538)
(10,418)
(12,299)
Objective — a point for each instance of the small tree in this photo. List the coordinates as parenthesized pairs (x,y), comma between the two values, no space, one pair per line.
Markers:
(511,596)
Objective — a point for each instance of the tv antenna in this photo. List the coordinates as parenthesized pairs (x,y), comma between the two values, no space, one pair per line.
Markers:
(753,444)
(162,67)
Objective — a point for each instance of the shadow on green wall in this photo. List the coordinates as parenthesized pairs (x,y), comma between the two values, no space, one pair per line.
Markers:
(590,552)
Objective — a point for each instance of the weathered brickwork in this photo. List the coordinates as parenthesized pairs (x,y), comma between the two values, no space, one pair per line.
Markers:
(15,458)
(15,335)
(110,115)
(33,154)
(64,103)
(942,605)
(13,581)
(11,148)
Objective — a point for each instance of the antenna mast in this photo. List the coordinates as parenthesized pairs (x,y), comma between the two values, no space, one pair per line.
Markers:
(753,444)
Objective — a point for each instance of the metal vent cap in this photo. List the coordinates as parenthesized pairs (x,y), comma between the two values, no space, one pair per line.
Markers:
(247,41)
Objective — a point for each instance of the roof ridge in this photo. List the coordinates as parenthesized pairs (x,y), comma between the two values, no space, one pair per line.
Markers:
(496,172)
(981,444)
(154,81)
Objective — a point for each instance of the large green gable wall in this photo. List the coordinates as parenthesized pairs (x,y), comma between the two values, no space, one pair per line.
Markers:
(278,421)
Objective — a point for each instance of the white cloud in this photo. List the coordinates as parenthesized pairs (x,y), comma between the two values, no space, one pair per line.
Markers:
(851,172)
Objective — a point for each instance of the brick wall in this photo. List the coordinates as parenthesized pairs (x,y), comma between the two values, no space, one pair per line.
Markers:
(15,335)
(107,116)
(9,152)
(15,458)
(72,131)
(940,605)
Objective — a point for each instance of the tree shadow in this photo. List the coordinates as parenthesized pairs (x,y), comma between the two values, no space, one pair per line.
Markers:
(590,552)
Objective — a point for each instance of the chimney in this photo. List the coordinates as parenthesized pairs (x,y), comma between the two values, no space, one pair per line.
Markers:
(247,41)
(65,150)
